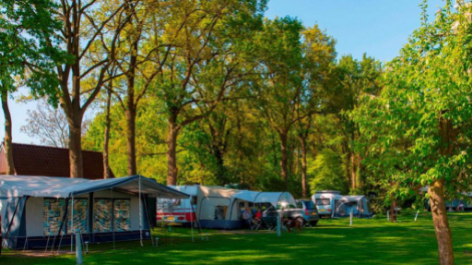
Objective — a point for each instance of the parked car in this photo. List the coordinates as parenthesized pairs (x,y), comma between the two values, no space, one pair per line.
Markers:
(305,209)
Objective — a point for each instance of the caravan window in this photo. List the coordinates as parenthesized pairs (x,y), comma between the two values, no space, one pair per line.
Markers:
(323,202)
(53,214)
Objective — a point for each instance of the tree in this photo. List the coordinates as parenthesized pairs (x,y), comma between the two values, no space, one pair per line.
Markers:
(352,80)
(207,62)
(318,58)
(80,33)
(425,109)
(48,124)
(327,172)
(280,86)
(26,59)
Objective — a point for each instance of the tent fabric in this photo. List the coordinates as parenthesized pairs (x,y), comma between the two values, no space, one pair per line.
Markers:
(357,204)
(217,207)
(56,187)
(265,197)
(16,190)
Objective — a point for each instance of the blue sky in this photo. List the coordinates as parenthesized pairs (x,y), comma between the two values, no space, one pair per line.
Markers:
(376,27)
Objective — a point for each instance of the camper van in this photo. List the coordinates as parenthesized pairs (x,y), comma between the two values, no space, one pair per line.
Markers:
(178,211)
(325,201)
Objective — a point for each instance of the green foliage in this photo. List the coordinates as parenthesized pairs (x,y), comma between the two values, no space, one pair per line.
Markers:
(327,172)
(418,129)
(28,52)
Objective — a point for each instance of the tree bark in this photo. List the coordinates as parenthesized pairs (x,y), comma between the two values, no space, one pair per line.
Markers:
(106,163)
(441,223)
(284,161)
(131,106)
(8,140)
(353,171)
(171,151)
(75,149)
(131,140)
(304,165)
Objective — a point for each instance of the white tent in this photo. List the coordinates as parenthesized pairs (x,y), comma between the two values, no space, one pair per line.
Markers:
(36,211)
(274,198)
(219,208)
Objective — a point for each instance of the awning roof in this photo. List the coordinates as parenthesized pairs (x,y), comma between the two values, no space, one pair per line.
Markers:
(265,197)
(19,186)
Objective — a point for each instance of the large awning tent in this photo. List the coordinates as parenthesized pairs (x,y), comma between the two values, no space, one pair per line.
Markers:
(43,212)
(220,208)
(358,205)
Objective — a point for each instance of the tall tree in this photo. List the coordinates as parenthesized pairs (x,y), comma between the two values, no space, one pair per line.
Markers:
(353,79)
(280,88)
(140,55)
(25,55)
(426,103)
(81,31)
(318,58)
(206,63)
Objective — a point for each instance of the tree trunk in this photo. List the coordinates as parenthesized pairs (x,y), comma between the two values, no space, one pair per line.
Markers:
(131,140)
(171,151)
(284,161)
(441,223)
(304,165)
(130,111)
(75,149)
(8,135)
(353,171)
(106,163)
(393,215)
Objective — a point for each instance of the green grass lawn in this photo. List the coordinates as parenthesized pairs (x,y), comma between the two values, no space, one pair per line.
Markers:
(369,241)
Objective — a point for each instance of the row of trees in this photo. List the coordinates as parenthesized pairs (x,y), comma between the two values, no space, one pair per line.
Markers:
(210,92)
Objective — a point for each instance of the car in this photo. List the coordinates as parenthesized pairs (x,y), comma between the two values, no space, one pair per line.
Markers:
(304,209)
(308,212)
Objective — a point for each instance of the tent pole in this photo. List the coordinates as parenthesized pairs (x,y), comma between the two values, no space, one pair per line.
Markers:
(72,225)
(140,213)
(113,218)
(191,216)
(11,221)
(64,218)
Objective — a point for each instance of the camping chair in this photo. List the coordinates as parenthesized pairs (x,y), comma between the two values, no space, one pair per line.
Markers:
(255,224)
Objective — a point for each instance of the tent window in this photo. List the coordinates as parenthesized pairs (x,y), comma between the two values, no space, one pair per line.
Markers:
(104,214)
(53,215)
(122,215)
(80,216)
(220,212)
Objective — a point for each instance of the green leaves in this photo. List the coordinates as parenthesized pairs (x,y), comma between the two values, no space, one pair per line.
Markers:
(428,120)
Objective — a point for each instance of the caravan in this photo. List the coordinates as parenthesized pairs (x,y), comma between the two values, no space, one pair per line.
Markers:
(221,208)
(325,201)
(333,204)
(178,211)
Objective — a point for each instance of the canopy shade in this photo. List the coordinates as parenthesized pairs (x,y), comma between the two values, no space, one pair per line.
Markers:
(20,186)
(265,197)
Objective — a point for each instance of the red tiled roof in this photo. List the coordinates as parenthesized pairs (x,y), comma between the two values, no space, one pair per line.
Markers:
(35,160)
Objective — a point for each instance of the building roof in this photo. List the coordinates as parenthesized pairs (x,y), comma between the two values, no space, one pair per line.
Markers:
(35,160)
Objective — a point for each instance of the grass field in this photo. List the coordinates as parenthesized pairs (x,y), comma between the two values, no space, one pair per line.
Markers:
(369,241)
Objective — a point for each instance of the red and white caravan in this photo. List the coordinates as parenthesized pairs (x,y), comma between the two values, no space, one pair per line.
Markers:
(178,210)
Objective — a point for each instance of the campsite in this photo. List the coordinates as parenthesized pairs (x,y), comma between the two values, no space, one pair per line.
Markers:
(235,131)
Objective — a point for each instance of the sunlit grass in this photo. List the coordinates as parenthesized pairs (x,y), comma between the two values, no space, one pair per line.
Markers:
(369,241)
